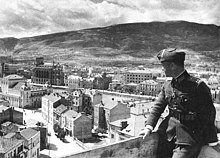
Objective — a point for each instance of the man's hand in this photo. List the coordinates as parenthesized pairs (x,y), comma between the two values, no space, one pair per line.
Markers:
(146,132)
(216,147)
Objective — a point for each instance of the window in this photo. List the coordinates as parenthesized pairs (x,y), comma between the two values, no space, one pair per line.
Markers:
(112,135)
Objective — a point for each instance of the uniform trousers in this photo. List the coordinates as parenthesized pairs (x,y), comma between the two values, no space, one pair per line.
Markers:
(168,149)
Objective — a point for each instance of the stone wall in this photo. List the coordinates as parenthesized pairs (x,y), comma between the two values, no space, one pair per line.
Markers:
(131,148)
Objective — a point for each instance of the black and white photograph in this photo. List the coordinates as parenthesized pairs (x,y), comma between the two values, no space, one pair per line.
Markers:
(109,79)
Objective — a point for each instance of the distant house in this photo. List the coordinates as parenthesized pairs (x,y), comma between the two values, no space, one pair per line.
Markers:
(72,81)
(11,147)
(58,115)
(114,110)
(150,87)
(77,125)
(130,127)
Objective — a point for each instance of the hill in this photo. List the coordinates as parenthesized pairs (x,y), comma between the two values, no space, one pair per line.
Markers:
(132,43)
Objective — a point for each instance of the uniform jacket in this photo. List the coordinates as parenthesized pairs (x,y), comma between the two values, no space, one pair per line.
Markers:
(186,95)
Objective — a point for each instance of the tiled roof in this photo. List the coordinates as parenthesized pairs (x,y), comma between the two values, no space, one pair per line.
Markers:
(71,113)
(28,133)
(7,144)
(60,109)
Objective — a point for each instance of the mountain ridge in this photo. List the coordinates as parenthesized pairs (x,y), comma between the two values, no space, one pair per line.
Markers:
(122,42)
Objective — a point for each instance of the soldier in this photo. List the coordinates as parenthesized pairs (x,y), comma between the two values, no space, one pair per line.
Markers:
(190,123)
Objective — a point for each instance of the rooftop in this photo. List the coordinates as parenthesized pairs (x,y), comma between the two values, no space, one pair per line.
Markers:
(60,109)
(52,97)
(28,133)
(71,113)
(7,144)
(13,77)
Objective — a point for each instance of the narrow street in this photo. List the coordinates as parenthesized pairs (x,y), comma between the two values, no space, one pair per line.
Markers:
(57,148)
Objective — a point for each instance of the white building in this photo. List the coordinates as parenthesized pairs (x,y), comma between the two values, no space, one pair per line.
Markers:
(49,102)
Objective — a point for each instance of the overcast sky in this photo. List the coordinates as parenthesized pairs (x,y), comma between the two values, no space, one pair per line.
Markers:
(24,18)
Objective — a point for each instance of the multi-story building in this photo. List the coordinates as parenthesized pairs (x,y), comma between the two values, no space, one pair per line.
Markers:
(80,102)
(20,94)
(130,127)
(77,125)
(48,72)
(58,115)
(49,102)
(138,76)
(11,147)
(72,81)
(150,87)
(95,96)
(8,69)
(10,114)
(114,110)
(31,142)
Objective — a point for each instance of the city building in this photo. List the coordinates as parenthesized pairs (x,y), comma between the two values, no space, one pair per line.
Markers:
(114,110)
(77,125)
(150,87)
(49,102)
(31,142)
(130,127)
(10,114)
(47,72)
(58,115)
(11,147)
(137,76)
(72,81)
(19,93)
(8,69)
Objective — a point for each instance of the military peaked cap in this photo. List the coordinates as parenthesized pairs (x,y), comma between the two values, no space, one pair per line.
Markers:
(171,54)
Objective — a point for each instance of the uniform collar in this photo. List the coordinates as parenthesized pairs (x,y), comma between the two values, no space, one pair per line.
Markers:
(181,77)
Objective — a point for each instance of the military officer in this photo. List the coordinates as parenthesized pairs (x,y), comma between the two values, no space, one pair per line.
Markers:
(190,123)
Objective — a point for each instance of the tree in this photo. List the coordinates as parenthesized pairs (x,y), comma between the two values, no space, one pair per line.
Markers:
(56,128)
(61,134)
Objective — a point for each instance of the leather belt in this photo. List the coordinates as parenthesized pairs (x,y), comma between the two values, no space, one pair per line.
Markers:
(179,115)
